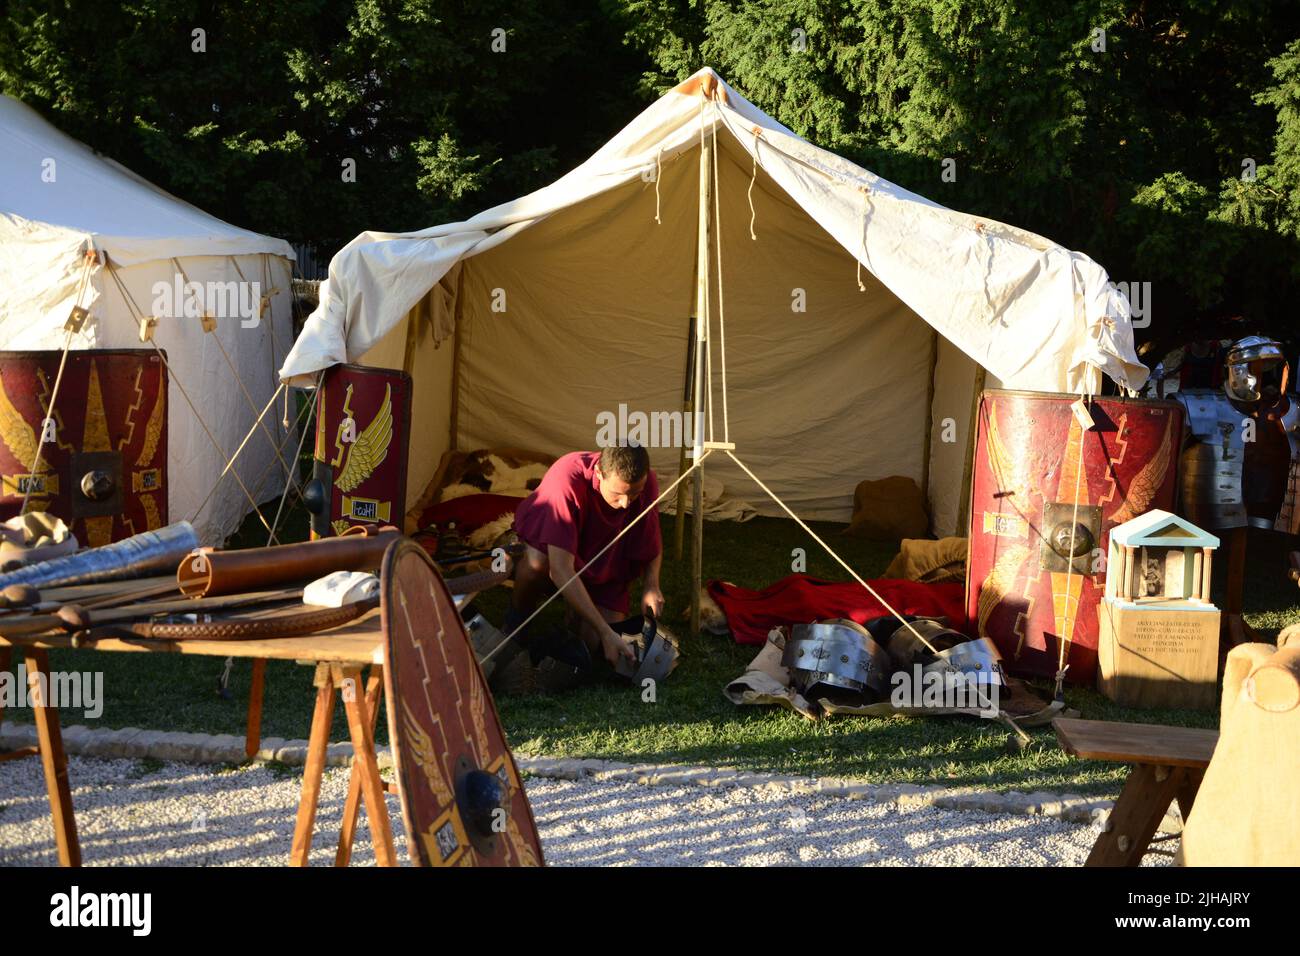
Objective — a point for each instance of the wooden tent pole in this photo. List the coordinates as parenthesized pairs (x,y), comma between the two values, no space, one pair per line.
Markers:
(929,427)
(701,343)
(967,472)
(413,319)
(688,399)
(458,332)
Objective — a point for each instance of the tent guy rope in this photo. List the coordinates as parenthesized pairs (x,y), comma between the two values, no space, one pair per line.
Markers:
(247,436)
(211,437)
(210,327)
(831,551)
(309,409)
(1064,639)
(293,485)
(146,332)
(72,327)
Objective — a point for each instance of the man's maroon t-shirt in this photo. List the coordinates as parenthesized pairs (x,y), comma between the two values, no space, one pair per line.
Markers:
(567,510)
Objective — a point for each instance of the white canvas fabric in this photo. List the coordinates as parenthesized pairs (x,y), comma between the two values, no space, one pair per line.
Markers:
(58,200)
(575,298)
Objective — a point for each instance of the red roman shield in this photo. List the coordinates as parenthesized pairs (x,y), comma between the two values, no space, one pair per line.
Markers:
(1047,486)
(362,438)
(102,466)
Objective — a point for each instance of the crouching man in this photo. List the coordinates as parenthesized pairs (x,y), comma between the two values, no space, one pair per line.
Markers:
(585,500)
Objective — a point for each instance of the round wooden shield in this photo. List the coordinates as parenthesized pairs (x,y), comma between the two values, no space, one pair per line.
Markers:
(462,802)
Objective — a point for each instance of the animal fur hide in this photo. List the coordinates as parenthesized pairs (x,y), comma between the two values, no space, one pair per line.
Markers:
(499,474)
(452,492)
(712,618)
(483,538)
(513,479)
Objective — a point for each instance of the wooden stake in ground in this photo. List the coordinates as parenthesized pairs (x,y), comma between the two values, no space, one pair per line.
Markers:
(1235,630)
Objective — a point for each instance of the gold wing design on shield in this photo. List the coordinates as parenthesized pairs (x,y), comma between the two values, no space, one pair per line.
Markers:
(998,585)
(371,446)
(1144,486)
(477,709)
(17,433)
(426,758)
(1004,464)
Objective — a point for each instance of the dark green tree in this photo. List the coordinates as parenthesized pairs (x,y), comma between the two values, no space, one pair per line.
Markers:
(1121,129)
(1160,138)
(444,106)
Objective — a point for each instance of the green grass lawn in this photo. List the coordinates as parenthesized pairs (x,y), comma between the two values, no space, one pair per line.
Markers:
(691,722)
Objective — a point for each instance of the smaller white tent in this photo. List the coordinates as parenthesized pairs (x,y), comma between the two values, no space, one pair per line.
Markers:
(60,200)
(856,310)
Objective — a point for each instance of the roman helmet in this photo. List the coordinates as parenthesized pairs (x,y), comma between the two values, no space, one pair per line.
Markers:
(1255,370)
(977,661)
(826,657)
(953,652)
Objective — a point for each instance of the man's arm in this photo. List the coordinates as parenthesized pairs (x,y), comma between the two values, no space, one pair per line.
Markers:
(562,569)
(652,596)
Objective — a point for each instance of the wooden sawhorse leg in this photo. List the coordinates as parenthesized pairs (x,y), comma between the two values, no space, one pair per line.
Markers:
(6,658)
(373,790)
(317,747)
(54,761)
(1187,791)
(253,727)
(352,808)
(345,678)
(1147,794)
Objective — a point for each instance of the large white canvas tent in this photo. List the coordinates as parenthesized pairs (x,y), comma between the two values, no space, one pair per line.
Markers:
(856,311)
(58,200)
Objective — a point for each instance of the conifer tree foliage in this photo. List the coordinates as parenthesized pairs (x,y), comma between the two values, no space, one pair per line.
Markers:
(250,109)
(1160,138)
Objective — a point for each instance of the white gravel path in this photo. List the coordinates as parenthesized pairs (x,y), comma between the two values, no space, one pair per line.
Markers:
(197,815)
(179,815)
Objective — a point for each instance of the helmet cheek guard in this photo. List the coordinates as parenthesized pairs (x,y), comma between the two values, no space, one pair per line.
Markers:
(656,651)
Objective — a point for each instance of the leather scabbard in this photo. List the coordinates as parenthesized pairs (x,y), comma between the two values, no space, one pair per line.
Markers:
(209,572)
(474,583)
(292,624)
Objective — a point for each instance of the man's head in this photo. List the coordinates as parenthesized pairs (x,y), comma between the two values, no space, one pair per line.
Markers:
(622,472)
